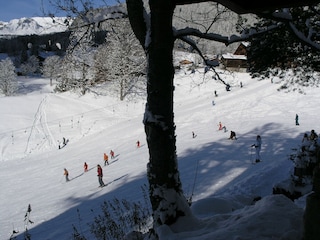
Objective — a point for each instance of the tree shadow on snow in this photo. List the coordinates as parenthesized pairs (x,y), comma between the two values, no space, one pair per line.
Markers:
(217,168)
(225,166)
(24,88)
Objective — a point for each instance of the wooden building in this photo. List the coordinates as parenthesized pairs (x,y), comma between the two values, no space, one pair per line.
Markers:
(236,60)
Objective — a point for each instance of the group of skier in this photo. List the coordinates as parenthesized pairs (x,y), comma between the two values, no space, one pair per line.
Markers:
(106,157)
(233,136)
(309,142)
(99,169)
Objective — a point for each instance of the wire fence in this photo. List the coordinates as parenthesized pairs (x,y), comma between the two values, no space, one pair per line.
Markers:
(44,135)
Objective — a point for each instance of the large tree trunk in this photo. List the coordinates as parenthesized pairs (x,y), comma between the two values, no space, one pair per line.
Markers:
(167,199)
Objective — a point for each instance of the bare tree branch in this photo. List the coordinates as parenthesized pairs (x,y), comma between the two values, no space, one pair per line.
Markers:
(219,38)
(256,7)
(303,38)
(137,14)
(286,17)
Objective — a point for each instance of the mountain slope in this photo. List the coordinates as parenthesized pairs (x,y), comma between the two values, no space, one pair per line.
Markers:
(34,25)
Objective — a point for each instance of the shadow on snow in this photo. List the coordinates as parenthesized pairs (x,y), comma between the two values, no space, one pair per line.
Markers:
(200,170)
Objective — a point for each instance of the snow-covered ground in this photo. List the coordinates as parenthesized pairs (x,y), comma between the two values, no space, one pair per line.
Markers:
(217,172)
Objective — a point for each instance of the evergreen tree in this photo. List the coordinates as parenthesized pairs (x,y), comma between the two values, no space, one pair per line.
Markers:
(281,48)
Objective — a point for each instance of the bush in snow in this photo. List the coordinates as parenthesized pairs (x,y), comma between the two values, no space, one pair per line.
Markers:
(306,160)
(120,219)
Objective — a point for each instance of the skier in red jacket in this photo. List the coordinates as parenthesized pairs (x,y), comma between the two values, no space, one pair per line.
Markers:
(112,154)
(100,175)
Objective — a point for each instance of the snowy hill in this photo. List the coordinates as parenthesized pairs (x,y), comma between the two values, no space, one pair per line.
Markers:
(217,172)
(34,25)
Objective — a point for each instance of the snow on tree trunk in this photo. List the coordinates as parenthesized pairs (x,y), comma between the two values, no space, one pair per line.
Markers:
(166,195)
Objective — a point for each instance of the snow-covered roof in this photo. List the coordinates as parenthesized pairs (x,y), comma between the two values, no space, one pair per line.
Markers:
(233,56)
(246,44)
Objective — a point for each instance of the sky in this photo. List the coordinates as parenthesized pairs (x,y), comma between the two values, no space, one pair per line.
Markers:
(15,9)
(219,174)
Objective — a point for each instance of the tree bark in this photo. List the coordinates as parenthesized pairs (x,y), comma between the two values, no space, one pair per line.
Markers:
(165,187)
(166,195)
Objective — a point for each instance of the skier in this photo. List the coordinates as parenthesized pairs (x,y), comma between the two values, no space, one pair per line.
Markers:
(297,120)
(111,154)
(232,136)
(257,145)
(64,142)
(85,166)
(138,144)
(100,175)
(222,127)
(66,173)
(105,158)
(193,135)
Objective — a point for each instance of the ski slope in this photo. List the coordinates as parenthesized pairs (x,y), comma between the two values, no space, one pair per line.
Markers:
(218,173)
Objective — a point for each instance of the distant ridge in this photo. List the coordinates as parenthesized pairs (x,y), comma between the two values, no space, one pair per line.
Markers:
(32,26)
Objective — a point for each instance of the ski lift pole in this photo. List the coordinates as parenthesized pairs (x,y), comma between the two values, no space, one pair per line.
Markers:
(194,181)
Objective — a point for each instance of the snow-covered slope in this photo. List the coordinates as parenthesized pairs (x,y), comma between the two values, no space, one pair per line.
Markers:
(34,25)
(217,172)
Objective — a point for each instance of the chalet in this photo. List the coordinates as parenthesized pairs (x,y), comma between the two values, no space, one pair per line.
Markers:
(237,60)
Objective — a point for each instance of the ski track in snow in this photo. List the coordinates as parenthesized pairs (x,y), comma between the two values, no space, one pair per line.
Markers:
(35,129)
